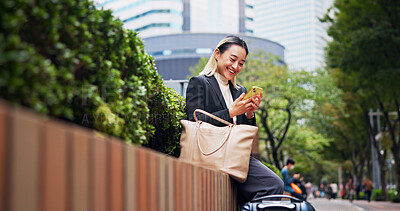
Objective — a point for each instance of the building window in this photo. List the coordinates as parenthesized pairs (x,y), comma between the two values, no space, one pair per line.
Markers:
(249,19)
(199,51)
(204,51)
(153,25)
(147,13)
(249,6)
(107,2)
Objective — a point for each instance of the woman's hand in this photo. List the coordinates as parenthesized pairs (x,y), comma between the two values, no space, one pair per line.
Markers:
(255,104)
(248,106)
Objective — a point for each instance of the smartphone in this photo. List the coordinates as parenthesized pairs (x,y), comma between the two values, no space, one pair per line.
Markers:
(253,91)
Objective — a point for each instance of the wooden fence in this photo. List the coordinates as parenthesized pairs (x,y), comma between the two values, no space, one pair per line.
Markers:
(49,165)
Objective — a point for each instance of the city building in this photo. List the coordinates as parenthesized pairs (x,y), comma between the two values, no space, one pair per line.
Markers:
(157,17)
(177,33)
(295,25)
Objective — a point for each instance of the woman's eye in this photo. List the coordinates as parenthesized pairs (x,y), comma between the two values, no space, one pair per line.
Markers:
(232,60)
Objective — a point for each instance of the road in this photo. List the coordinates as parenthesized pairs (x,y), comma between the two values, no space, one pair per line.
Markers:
(357,205)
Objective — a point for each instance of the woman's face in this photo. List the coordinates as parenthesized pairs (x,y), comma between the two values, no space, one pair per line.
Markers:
(230,63)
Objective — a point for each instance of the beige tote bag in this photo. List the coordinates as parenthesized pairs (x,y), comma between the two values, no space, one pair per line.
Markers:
(226,149)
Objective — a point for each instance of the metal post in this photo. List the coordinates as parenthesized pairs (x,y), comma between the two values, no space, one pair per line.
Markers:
(340,179)
(390,171)
(374,155)
(378,130)
(182,88)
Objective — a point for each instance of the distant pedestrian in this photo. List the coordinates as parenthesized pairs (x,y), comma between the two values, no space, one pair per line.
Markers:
(310,191)
(321,190)
(334,187)
(328,191)
(350,187)
(358,189)
(368,188)
(342,193)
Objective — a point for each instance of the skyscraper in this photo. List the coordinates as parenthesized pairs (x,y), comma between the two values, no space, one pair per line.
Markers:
(158,17)
(295,25)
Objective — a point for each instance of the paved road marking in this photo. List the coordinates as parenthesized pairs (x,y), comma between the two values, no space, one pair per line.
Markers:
(357,207)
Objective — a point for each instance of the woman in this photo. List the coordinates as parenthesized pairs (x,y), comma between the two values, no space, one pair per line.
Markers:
(215,91)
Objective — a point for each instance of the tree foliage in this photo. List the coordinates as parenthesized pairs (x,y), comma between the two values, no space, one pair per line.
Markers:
(363,56)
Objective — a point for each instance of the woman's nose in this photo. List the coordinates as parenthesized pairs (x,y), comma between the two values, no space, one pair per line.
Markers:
(235,65)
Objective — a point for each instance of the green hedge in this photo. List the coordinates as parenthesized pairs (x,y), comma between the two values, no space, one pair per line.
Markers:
(361,195)
(67,59)
(377,195)
(394,196)
(273,168)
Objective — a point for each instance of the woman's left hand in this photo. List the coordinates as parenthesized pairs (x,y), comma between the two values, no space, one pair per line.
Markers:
(255,104)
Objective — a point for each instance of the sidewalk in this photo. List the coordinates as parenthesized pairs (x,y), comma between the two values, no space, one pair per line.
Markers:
(377,205)
(323,204)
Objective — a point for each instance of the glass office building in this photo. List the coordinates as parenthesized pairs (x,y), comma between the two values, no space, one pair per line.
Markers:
(295,25)
(157,17)
(177,33)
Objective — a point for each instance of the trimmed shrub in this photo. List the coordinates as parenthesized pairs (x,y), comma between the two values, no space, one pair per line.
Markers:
(273,168)
(394,196)
(377,195)
(361,195)
(67,59)
(166,109)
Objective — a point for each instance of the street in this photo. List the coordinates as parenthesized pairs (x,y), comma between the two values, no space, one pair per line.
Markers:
(322,204)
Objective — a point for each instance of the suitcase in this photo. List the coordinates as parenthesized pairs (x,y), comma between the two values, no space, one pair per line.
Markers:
(276,202)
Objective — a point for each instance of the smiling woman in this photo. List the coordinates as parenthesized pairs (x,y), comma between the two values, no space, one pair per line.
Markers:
(215,91)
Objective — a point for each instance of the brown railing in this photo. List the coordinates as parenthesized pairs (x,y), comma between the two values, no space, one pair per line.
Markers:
(49,165)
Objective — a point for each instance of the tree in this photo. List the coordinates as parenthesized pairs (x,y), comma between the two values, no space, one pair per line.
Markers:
(365,46)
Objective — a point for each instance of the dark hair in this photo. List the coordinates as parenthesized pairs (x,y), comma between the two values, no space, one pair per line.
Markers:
(290,161)
(233,40)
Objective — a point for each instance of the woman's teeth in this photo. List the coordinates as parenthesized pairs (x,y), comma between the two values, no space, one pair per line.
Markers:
(231,71)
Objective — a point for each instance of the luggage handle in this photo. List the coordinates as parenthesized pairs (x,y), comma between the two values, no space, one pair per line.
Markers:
(210,115)
(287,206)
(277,196)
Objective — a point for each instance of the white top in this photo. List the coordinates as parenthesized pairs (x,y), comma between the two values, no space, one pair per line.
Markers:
(226,92)
(334,187)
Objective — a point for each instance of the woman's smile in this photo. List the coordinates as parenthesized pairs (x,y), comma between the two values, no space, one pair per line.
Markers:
(231,71)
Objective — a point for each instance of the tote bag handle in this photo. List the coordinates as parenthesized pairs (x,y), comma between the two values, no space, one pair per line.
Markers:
(198,130)
(210,115)
(216,149)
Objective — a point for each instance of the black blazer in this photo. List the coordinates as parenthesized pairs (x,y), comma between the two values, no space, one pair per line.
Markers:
(204,93)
